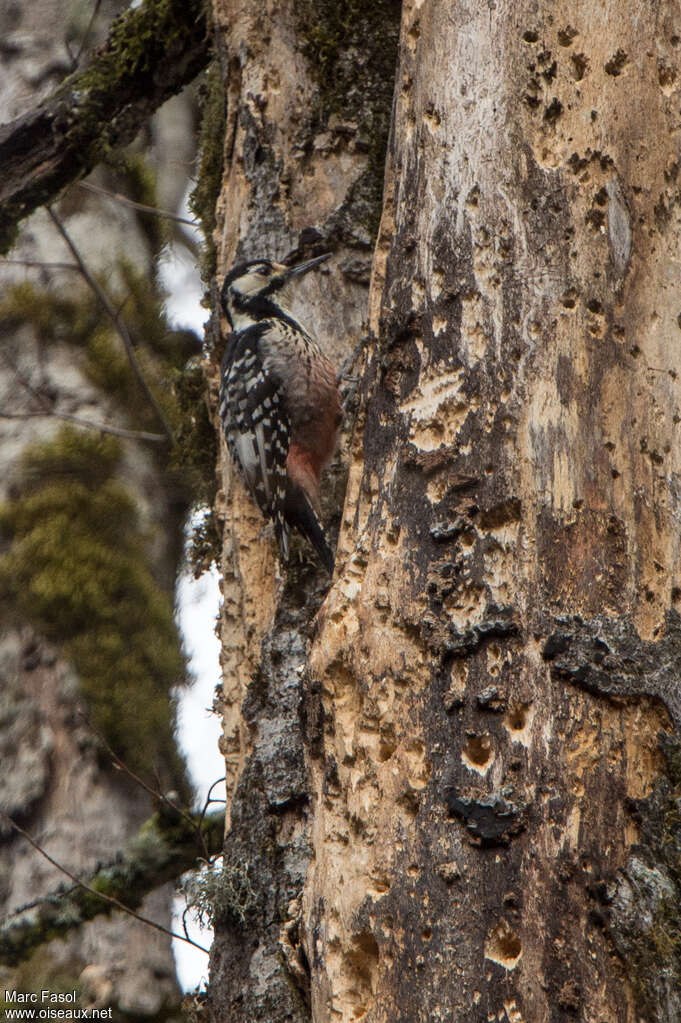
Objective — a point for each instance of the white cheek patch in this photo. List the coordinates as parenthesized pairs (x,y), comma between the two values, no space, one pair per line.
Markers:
(251,283)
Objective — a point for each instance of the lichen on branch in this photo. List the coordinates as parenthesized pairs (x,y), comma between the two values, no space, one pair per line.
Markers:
(166,846)
(152,52)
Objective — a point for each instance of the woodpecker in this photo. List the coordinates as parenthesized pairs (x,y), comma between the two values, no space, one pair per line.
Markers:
(279,401)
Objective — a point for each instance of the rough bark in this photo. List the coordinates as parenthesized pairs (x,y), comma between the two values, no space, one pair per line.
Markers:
(309,88)
(486,796)
(494,655)
(151,54)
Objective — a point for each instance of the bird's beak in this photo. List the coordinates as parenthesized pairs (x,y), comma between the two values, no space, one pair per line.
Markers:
(302,268)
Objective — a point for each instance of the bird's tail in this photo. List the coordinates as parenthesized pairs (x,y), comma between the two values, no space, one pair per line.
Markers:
(301,516)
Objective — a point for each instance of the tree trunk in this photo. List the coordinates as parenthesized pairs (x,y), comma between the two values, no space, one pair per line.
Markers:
(308,90)
(487,811)
(67,656)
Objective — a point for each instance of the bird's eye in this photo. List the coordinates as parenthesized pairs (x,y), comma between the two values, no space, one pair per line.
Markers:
(263,271)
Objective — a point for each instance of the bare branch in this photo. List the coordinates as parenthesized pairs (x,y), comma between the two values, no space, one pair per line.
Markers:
(210,800)
(47,409)
(115,431)
(101,107)
(118,323)
(163,800)
(88,30)
(39,263)
(165,848)
(135,205)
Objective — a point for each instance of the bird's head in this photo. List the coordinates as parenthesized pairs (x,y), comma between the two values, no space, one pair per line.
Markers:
(261,288)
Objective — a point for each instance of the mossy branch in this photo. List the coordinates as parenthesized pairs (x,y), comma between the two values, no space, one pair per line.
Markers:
(152,52)
(166,846)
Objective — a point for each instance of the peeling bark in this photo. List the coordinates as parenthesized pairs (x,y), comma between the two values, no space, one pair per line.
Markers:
(299,179)
(518,465)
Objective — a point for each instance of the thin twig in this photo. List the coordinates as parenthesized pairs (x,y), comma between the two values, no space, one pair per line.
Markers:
(40,263)
(135,205)
(209,798)
(184,923)
(204,812)
(120,765)
(155,793)
(117,322)
(86,35)
(93,891)
(47,410)
(116,431)
(69,52)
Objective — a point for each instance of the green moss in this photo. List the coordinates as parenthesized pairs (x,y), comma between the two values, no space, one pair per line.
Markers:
(204,197)
(351,48)
(132,48)
(336,34)
(194,459)
(131,43)
(54,317)
(76,565)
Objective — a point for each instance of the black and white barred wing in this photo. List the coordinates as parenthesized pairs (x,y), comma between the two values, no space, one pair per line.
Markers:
(256,424)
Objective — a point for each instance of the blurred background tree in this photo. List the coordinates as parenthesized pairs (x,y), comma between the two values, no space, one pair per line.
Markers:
(100,410)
